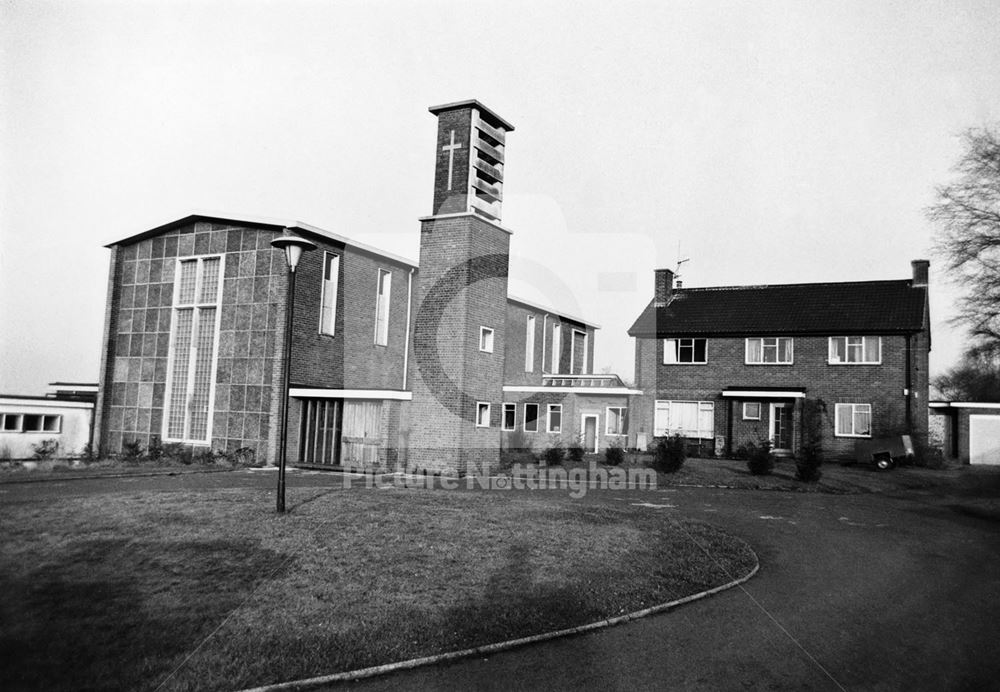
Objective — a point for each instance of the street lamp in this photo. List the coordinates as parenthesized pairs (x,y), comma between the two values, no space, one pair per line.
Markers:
(293,246)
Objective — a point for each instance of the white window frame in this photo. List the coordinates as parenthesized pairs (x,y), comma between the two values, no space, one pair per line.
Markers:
(524,417)
(672,351)
(197,306)
(777,350)
(549,410)
(486,339)
(622,421)
(572,351)
(747,416)
(661,430)
(328,305)
(529,344)
(838,413)
(831,351)
(508,407)
(19,419)
(481,407)
(556,348)
(383,301)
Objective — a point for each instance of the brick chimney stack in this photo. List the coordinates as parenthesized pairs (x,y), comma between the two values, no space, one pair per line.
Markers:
(920,272)
(664,286)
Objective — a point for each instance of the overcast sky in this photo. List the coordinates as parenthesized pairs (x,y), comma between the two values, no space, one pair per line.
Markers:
(769,142)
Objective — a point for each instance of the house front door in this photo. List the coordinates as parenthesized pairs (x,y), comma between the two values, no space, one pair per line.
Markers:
(781,427)
(590,433)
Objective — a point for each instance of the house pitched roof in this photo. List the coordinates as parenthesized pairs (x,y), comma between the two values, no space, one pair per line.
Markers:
(863,307)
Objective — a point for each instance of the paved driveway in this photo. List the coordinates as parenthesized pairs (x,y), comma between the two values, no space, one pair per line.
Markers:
(855,592)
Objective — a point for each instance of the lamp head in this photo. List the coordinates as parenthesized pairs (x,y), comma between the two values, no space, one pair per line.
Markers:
(293,246)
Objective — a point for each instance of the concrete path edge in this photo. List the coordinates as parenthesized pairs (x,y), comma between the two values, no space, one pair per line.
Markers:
(374,671)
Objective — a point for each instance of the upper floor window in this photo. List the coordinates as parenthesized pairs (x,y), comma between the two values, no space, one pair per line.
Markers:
(382,307)
(328,308)
(685,351)
(853,420)
(855,349)
(486,339)
(776,350)
(578,353)
(556,347)
(529,344)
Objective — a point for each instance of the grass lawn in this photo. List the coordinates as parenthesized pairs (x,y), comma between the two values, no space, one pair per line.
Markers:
(213,590)
(836,478)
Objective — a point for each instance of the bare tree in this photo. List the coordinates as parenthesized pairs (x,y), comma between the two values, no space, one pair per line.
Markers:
(967,212)
(976,378)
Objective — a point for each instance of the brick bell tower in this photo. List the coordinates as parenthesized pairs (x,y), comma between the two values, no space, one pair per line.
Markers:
(461,308)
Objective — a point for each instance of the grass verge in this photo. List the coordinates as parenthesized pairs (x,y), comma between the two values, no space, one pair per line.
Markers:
(212,590)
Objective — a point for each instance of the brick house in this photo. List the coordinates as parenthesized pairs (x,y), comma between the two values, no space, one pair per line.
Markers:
(731,365)
(392,366)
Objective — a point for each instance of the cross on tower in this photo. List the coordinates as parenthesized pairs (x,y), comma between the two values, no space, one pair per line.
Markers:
(450,148)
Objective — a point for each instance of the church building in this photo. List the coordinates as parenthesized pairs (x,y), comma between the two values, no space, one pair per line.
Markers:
(428,367)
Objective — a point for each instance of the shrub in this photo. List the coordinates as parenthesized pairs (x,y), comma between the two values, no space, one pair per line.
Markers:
(155,449)
(245,456)
(668,456)
(761,460)
(46,449)
(575,452)
(88,454)
(554,455)
(131,450)
(204,456)
(614,455)
(177,452)
(807,465)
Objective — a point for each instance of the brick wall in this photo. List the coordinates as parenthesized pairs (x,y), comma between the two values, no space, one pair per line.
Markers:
(449,373)
(879,385)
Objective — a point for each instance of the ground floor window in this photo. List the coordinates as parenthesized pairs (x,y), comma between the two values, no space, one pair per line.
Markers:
(30,422)
(531,418)
(694,419)
(751,410)
(482,415)
(509,417)
(853,420)
(554,424)
(617,421)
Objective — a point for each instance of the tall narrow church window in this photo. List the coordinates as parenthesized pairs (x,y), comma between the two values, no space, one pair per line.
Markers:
(578,353)
(529,345)
(328,308)
(556,347)
(382,307)
(193,341)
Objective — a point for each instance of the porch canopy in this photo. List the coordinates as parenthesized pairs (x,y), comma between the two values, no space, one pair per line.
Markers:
(764,392)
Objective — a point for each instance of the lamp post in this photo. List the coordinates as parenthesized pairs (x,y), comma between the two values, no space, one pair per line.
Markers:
(293,246)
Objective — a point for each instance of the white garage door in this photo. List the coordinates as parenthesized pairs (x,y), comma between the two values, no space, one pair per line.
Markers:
(984,440)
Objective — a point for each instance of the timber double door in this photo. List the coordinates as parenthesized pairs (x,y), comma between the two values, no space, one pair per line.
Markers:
(335,432)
